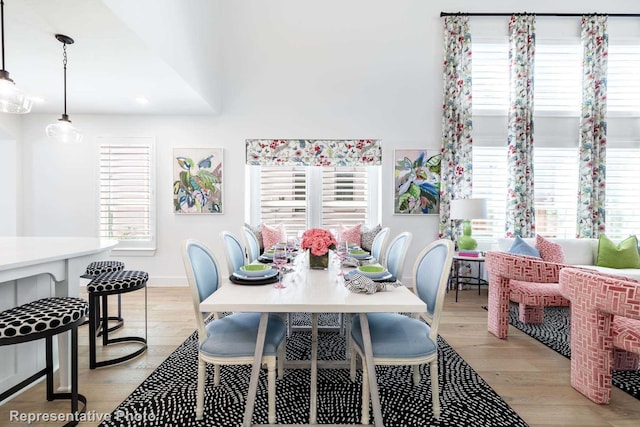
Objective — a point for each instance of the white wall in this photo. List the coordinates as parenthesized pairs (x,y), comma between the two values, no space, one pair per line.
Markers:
(10,174)
(292,69)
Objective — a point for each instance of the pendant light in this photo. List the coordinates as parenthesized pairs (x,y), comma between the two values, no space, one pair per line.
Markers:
(12,100)
(62,130)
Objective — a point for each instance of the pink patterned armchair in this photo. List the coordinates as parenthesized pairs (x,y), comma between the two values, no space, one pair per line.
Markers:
(529,281)
(605,329)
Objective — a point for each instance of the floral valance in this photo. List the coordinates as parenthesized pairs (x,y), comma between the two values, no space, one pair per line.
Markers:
(314,152)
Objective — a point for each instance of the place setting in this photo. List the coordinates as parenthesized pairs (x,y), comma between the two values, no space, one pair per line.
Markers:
(255,274)
(370,279)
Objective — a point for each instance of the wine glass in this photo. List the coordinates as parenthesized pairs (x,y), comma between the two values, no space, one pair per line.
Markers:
(342,250)
(280,259)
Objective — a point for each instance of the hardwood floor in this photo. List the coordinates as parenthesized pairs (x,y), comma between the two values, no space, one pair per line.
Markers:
(531,378)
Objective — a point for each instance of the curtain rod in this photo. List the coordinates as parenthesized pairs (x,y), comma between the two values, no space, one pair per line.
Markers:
(616,15)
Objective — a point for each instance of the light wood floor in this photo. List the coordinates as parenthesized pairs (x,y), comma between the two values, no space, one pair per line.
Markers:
(531,378)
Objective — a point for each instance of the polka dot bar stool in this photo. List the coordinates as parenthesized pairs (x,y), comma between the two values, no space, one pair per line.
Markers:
(46,318)
(94,270)
(112,283)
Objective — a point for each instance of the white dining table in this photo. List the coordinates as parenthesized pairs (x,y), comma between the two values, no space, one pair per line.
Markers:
(310,291)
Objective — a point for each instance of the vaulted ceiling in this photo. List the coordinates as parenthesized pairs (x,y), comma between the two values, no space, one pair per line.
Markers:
(163,50)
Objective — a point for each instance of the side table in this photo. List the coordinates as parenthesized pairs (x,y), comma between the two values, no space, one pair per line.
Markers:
(455,276)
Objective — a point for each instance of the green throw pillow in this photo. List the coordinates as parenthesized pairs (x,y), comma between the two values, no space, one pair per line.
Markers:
(624,255)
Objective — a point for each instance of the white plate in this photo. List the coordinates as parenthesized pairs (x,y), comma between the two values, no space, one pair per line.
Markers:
(266,270)
(270,273)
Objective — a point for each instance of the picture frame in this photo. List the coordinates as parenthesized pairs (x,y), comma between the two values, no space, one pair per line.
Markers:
(416,182)
(197,180)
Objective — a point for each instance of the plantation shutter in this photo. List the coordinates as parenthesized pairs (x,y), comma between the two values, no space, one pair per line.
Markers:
(344,196)
(623,86)
(283,197)
(126,193)
(622,204)
(556,171)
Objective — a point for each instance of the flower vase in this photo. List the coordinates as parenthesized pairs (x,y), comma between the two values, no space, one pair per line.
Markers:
(318,262)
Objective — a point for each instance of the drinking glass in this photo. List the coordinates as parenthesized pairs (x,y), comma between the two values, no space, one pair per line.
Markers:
(342,250)
(280,259)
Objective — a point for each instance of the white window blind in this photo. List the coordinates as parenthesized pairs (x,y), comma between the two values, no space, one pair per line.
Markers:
(556,188)
(623,85)
(557,78)
(344,196)
(283,197)
(622,203)
(126,195)
(306,197)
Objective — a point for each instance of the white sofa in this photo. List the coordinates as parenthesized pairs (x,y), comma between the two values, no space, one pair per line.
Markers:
(577,252)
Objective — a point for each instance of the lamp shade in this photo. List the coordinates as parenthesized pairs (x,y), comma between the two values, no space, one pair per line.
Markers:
(468,209)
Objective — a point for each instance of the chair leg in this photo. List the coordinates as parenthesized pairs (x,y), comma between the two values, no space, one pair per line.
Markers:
(49,366)
(353,362)
(202,375)
(271,393)
(280,359)
(435,389)
(216,375)
(365,394)
(416,374)
(92,330)
(105,320)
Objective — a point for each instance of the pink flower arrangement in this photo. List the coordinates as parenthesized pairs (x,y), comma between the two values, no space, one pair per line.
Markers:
(318,240)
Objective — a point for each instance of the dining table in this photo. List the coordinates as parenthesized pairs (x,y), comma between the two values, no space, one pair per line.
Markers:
(311,291)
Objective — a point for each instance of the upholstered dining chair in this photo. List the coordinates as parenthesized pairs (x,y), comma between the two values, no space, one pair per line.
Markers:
(605,329)
(377,247)
(397,253)
(401,340)
(233,250)
(229,340)
(251,244)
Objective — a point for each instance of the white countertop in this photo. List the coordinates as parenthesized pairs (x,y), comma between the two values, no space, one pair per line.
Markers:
(16,252)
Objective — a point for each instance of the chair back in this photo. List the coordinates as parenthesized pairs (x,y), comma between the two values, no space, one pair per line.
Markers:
(377,247)
(397,252)
(203,276)
(431,274)
(233,250)
(251,244)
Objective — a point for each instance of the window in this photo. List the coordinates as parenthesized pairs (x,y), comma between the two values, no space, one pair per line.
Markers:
(558,68)
(305,197)
(127,205)
(622,207)
(556,172)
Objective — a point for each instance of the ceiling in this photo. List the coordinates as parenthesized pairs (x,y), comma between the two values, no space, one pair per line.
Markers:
(162,50)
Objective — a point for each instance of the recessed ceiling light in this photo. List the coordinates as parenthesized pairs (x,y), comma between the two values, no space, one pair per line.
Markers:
(142,100)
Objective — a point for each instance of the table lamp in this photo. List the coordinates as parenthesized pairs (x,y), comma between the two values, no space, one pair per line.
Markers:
(466,210)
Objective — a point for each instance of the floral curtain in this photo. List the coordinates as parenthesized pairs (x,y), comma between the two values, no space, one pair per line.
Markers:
(593,127)
(313,152)
(456,119)
(520,220)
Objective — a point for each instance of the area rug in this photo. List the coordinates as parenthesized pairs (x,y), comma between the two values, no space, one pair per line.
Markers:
(167,396)
(554,333)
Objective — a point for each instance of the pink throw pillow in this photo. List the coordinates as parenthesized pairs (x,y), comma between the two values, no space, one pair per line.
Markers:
(350,234)
(549,251)
(272,235)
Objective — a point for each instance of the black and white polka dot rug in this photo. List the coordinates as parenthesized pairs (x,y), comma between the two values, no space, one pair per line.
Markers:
(554,333)
(167,397)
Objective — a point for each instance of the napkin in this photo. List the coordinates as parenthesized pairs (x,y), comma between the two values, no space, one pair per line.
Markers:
(356,282)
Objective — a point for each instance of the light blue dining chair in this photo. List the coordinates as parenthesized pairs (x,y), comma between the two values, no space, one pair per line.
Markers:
(377,247)
(233,251)
(229,340)
(397,253)
(251,244)
(401,340)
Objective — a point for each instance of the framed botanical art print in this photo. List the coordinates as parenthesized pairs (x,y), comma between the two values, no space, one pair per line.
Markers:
(416,182)
(197,180)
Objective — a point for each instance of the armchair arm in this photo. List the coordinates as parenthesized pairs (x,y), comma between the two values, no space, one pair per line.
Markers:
(522,267)
(605,292)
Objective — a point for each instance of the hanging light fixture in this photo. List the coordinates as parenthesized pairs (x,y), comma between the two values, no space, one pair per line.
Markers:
(62,130)
(12,100)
